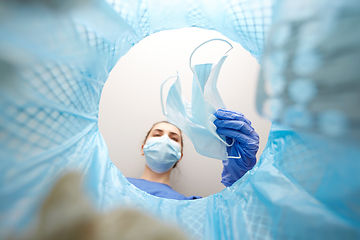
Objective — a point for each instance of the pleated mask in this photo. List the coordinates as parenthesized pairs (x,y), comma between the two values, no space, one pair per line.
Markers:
(196,119)
(161,153)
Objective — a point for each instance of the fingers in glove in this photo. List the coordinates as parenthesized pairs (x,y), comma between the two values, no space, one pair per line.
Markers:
(224,114)
(236,125)
(238,136)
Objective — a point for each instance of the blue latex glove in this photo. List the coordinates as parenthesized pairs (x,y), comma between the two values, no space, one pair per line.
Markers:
(237,128)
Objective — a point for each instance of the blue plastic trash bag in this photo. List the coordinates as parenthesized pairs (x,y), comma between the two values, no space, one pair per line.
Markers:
(55,58)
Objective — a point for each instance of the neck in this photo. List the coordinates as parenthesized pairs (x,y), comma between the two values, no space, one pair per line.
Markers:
(152,176)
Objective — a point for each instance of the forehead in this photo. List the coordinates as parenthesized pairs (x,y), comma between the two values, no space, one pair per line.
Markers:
(166,127)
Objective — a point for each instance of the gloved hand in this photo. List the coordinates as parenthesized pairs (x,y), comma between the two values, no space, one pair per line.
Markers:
(236,128)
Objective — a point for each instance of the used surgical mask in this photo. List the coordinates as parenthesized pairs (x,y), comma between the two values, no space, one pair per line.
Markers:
(196,119)
(161,153)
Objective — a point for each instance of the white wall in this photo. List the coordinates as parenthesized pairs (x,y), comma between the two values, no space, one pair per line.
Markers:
(130,102)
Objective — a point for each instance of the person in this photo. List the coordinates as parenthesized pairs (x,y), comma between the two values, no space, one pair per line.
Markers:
(163,150)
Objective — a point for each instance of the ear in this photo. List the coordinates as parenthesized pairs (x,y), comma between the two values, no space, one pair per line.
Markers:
(142,150)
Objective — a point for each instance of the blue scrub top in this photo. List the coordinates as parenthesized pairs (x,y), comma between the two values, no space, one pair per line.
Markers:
(233,170)
(159,189)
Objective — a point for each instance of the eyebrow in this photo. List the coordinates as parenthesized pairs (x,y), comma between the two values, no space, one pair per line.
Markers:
(172,133)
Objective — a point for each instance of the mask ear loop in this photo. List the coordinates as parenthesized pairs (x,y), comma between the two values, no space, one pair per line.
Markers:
(215,39)
(238,157)
(161,92)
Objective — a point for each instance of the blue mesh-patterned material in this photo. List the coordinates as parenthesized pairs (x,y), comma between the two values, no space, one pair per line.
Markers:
(310,79)
(56,56)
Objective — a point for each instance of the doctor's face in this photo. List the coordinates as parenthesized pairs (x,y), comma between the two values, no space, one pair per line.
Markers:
(161,128)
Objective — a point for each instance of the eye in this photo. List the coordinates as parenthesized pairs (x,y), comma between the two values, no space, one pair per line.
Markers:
(175,139)
(157,135)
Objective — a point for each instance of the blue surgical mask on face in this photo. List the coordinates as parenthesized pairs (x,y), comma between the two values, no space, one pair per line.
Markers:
(161,153)
(196,119)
